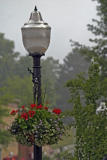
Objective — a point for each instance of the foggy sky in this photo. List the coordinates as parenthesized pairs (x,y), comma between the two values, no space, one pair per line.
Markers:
(68,19)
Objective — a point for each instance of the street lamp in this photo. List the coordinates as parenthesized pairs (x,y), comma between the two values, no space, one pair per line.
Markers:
(36,39)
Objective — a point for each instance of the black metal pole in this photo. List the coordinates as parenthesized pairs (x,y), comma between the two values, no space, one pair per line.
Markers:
(37,96)
(36,79)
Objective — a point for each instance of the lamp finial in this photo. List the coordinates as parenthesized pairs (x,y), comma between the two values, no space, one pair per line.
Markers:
(35,8)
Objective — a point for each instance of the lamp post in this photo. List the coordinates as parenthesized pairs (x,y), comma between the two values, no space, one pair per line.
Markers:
(36,39)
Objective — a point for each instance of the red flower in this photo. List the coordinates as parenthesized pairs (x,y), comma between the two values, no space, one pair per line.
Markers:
(46,108)
(24,116)
(31,113)
(56,111)
(23,107)
(39,107)
(17,111)
(33,105)
(13,112)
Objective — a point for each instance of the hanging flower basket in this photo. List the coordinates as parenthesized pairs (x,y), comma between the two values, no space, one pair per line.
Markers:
(37,125)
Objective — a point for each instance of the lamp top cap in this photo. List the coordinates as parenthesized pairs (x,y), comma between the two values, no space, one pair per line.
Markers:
(35,17)
(36,21)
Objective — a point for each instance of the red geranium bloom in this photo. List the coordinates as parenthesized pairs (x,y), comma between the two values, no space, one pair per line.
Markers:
(56,111)
(39,107)
(33,105)
(17,110)
(46,108)
(13,112)
(23,107)
(24,116)
(31,113)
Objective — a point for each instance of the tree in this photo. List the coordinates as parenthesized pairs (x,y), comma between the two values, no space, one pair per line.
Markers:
(17,90)
(22,65)
(7,58)
(99,29)
(50,73)
(7,63)
(73,64)
(19,86)
(4,134)
(91,128)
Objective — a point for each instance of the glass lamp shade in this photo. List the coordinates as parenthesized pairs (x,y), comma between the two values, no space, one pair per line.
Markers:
(36,34)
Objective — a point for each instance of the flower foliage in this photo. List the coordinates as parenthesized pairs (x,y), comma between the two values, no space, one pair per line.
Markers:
(37,124)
